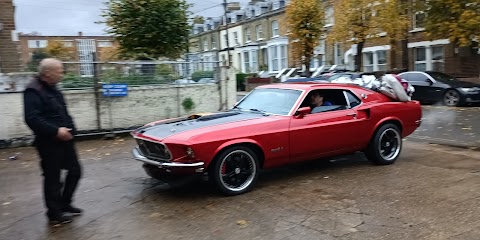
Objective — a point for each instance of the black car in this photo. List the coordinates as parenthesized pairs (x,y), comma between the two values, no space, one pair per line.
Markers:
(433,87)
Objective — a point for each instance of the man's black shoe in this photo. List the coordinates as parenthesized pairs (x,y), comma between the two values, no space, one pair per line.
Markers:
(72,211)
(59,221)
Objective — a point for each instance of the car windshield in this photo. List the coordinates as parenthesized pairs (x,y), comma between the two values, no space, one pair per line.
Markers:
(442,77)
(269,100)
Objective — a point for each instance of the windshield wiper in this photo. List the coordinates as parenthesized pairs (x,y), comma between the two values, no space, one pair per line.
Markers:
(259,111)
(237,107)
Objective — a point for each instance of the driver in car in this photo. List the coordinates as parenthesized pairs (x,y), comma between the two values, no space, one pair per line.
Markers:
(317,100)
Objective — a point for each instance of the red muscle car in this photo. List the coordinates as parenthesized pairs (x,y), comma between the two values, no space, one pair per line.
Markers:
(275,125)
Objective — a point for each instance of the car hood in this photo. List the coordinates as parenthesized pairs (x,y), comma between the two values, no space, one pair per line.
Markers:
(165,129)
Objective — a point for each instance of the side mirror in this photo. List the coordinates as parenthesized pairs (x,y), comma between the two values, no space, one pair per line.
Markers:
(301,112)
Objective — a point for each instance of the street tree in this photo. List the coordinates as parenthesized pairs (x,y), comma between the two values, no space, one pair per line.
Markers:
(305,19)
(198,20)
(58,50)
(459,20)
(149,28)
(37,56)
(353,23)
(392,18)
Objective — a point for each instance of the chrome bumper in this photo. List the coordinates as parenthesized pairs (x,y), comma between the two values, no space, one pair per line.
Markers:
(138,156)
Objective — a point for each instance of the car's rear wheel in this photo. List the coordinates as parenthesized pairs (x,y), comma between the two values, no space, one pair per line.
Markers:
(235,170)
(451,98)
(385,146)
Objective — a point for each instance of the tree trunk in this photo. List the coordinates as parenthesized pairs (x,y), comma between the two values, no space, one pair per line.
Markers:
(358,57)
(405,54)
(393,54)
(307,67)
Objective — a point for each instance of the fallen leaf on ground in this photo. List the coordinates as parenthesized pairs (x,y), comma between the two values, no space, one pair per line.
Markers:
(107,154)
(6,203)
(155,215)
(242,222)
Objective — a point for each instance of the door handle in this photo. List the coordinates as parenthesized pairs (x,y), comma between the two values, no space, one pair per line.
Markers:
(352,114)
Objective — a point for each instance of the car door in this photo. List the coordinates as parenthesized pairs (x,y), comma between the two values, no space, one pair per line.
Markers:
(325,134)
(421,83)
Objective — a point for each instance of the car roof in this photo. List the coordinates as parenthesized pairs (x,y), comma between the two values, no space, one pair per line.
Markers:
(309,86)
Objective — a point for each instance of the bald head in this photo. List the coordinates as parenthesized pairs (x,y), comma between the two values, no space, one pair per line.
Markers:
(51,70)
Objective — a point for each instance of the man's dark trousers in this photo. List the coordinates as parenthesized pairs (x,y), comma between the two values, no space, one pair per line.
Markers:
(56,156)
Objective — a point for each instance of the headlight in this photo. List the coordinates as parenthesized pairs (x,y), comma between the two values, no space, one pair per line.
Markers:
(190,152)
(469,90)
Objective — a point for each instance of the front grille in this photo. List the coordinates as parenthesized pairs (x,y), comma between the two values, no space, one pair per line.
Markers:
(156,151)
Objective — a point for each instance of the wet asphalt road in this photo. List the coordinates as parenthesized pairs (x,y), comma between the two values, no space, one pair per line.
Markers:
(450,125)
(430,193)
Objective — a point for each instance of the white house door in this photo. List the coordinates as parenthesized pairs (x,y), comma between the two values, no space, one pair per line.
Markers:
(86,48)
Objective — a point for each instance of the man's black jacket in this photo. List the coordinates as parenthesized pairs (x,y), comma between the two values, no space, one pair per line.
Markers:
(45,110)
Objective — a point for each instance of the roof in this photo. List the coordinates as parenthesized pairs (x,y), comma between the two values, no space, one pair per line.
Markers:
(307,86)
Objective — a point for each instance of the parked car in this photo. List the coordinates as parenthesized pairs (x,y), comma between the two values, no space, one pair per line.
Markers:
(206,80)
(184,81)
(433,87)
(272,126)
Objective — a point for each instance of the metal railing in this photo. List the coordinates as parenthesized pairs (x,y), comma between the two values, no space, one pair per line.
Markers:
(80,75)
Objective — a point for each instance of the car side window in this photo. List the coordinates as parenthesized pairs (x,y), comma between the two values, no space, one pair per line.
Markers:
(325,100)
(352,99)
(407,76)
(417,77)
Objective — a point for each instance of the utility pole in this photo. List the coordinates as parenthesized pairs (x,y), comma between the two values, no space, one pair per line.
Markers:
(228,57)
(226,31)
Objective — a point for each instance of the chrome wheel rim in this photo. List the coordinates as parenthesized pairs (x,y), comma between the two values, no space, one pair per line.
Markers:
(237,170)
(451,98)
(389,144)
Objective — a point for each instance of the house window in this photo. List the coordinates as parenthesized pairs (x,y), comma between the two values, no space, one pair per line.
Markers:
(437,58)
(420,59)
(246,61)
(275,31)
(259,30)
(37,43)
(329,18)
(105,43)
(224,60)
(205,44)
(274,59)
(254,66)
(247,35)
(214,42)
(368,62)
(381,60)
(275,5)
(225,37)
(67,44)
(235,38)
(419,20)
(284,56)
(338,54)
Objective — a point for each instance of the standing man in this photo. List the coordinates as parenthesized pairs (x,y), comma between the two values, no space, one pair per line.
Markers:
(47,115)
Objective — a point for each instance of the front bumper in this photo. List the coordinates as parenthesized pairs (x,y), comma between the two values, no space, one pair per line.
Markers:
(198,166)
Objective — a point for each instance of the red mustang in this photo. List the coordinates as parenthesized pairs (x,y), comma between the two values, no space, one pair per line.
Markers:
(275,125)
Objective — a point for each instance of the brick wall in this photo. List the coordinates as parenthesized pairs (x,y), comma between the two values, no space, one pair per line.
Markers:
(9,50)
(142,105)
(26,52)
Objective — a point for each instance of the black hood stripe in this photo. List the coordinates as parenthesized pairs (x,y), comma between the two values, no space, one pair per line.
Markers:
(167,129)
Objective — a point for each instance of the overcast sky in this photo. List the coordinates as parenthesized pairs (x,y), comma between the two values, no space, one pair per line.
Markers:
(68,17)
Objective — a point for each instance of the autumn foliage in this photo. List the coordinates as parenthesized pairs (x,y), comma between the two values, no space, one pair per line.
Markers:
(56,49)
(305,19)
(458,20)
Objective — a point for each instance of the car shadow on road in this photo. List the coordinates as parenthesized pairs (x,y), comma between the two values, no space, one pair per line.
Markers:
(201,187)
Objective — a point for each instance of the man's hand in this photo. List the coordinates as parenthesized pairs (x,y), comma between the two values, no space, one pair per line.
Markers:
(64,134)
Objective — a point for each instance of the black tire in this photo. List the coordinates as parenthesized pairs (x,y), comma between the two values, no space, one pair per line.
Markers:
(385,145)
(452,98)
(242,164)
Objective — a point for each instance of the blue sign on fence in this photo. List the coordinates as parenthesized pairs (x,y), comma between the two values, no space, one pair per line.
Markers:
(115,90)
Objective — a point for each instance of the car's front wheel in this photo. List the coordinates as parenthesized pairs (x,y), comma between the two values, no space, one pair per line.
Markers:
(451,98)
(385,146)
(235,170)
